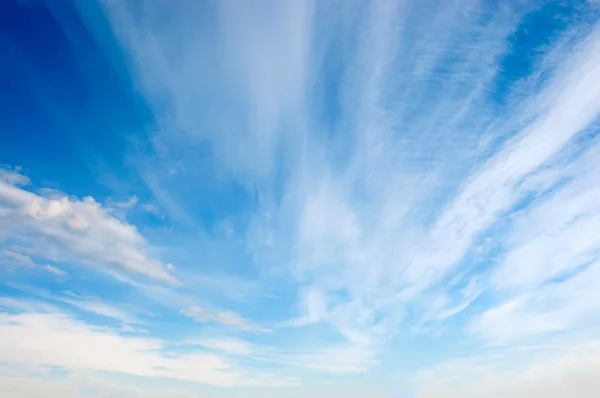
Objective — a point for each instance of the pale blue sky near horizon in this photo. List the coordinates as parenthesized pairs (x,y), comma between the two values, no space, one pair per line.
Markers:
(208,199)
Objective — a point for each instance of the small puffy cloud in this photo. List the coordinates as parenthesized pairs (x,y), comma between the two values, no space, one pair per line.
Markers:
(81,229)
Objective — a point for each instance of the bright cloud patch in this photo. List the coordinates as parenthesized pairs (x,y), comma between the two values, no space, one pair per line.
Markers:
(82,229)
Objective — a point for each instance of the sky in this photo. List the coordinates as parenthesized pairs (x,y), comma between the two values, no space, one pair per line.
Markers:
(337,198)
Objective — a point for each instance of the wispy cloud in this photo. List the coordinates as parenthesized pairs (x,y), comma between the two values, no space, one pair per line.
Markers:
(54,270)
(226,345)
(57,339)
(227,318)
(12,258)
(334,359)
(90,304)
(546,276)
(552,373)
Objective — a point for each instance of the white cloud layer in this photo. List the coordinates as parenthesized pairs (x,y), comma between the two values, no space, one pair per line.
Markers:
(545,373)
(53,338)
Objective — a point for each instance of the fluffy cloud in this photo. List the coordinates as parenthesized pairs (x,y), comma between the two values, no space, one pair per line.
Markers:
(82,230)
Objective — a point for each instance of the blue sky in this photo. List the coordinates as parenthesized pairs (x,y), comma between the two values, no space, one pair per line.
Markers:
(393,199)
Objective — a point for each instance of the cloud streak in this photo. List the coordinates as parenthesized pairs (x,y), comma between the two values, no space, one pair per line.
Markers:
(57,339)
(226,318)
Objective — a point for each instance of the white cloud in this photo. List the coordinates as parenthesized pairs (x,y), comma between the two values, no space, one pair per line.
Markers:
(328,219)
(54,270)
(128,204)
(267,57)
(313,308)
(120,209)
(89,304)
(550,373)
(13,258)
(574,103)
(550,269)
(56,339)
(395,254)
(96,306)
(568,306)
(227,318)
(28,306)
(150,208)
(557,235)
(13,177)
(81,229)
